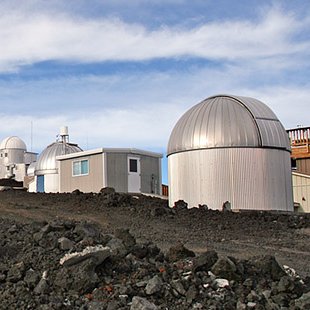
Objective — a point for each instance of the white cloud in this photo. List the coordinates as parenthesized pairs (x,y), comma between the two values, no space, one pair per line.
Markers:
(144,110)
(29,38)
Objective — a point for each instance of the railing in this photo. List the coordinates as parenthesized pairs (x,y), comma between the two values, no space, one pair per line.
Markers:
(165,191)
(299,136)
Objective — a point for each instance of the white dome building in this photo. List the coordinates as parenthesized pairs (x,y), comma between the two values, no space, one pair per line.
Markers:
(14,158)
(229,148)
(12,150)
(46,168)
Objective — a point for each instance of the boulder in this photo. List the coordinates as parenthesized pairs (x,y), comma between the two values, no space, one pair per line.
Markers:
(225,268)
(267,265)
(65,244)
(178,252)
(154,285)
(139,303)
(107,190)
(80,277)
(97,253)
(205,261)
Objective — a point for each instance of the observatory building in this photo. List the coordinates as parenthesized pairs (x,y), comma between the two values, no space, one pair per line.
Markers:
(43,174)
(64,167)
(14,158)
(230,149)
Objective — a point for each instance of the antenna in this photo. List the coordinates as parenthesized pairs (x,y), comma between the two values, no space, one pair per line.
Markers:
(31,136)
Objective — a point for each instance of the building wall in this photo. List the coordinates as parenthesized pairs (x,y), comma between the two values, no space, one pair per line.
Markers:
(117,171)
(20,172)
(31,183)
(12,156)
(51,183)
(30,157)
(301,190)
(150,175)
(303,165)
(92,182)
(249,178)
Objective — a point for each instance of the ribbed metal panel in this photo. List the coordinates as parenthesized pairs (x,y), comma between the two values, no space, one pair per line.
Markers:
(250,178)
(47,160)
(273,134)
(257,108)
(228,121)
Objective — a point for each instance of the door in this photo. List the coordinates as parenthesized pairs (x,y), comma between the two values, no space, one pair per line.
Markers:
(40,183)
(134,175)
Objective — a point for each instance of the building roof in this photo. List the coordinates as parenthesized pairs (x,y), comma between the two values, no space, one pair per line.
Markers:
(228,121)
(110,150)
(13,142)
(47,160)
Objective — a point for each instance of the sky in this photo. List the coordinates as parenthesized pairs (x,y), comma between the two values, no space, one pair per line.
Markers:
(120,73)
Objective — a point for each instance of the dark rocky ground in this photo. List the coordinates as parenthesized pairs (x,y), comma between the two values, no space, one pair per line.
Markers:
(133,252)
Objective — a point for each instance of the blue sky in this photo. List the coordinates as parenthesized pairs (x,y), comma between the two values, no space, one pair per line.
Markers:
(120,73)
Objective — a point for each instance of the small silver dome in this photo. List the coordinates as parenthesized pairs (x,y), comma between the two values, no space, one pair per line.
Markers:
(13,142)
(228,121)
(47,160)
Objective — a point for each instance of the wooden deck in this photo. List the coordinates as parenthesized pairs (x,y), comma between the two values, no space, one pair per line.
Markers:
(300,142)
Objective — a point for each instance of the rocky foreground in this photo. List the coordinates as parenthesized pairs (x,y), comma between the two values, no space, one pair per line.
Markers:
(67,264)
(119,251)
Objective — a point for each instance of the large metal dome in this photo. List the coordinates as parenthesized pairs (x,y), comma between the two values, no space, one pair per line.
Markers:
(228,121)
(47,159)
(13,142)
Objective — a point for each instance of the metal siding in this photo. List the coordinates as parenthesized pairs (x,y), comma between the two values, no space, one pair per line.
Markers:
(92,182)
(253,179)
(303,165)
(149,167)
(117,171)
(301,189)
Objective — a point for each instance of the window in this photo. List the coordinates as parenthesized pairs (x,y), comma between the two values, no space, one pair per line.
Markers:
(294,163)
(5,154)
(80,167)
(133,165)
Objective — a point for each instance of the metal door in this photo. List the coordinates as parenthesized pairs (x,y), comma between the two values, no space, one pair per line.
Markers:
(40,183)
(134,175)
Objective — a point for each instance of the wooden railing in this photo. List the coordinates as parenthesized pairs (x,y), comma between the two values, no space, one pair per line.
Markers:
(299,135)
(300,141)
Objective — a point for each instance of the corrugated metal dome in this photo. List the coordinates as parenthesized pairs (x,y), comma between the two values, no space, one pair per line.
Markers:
(228,121)
(47,159)
(13,142)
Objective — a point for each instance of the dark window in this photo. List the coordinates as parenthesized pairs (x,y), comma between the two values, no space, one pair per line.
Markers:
(5,154)
(133,165)
(294,163)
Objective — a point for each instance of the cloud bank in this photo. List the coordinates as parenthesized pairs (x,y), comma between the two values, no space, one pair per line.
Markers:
(26,39)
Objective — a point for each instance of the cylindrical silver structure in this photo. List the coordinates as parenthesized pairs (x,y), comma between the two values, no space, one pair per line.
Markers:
(230,148)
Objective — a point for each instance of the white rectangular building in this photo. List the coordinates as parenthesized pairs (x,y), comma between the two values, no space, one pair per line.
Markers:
(124,169)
